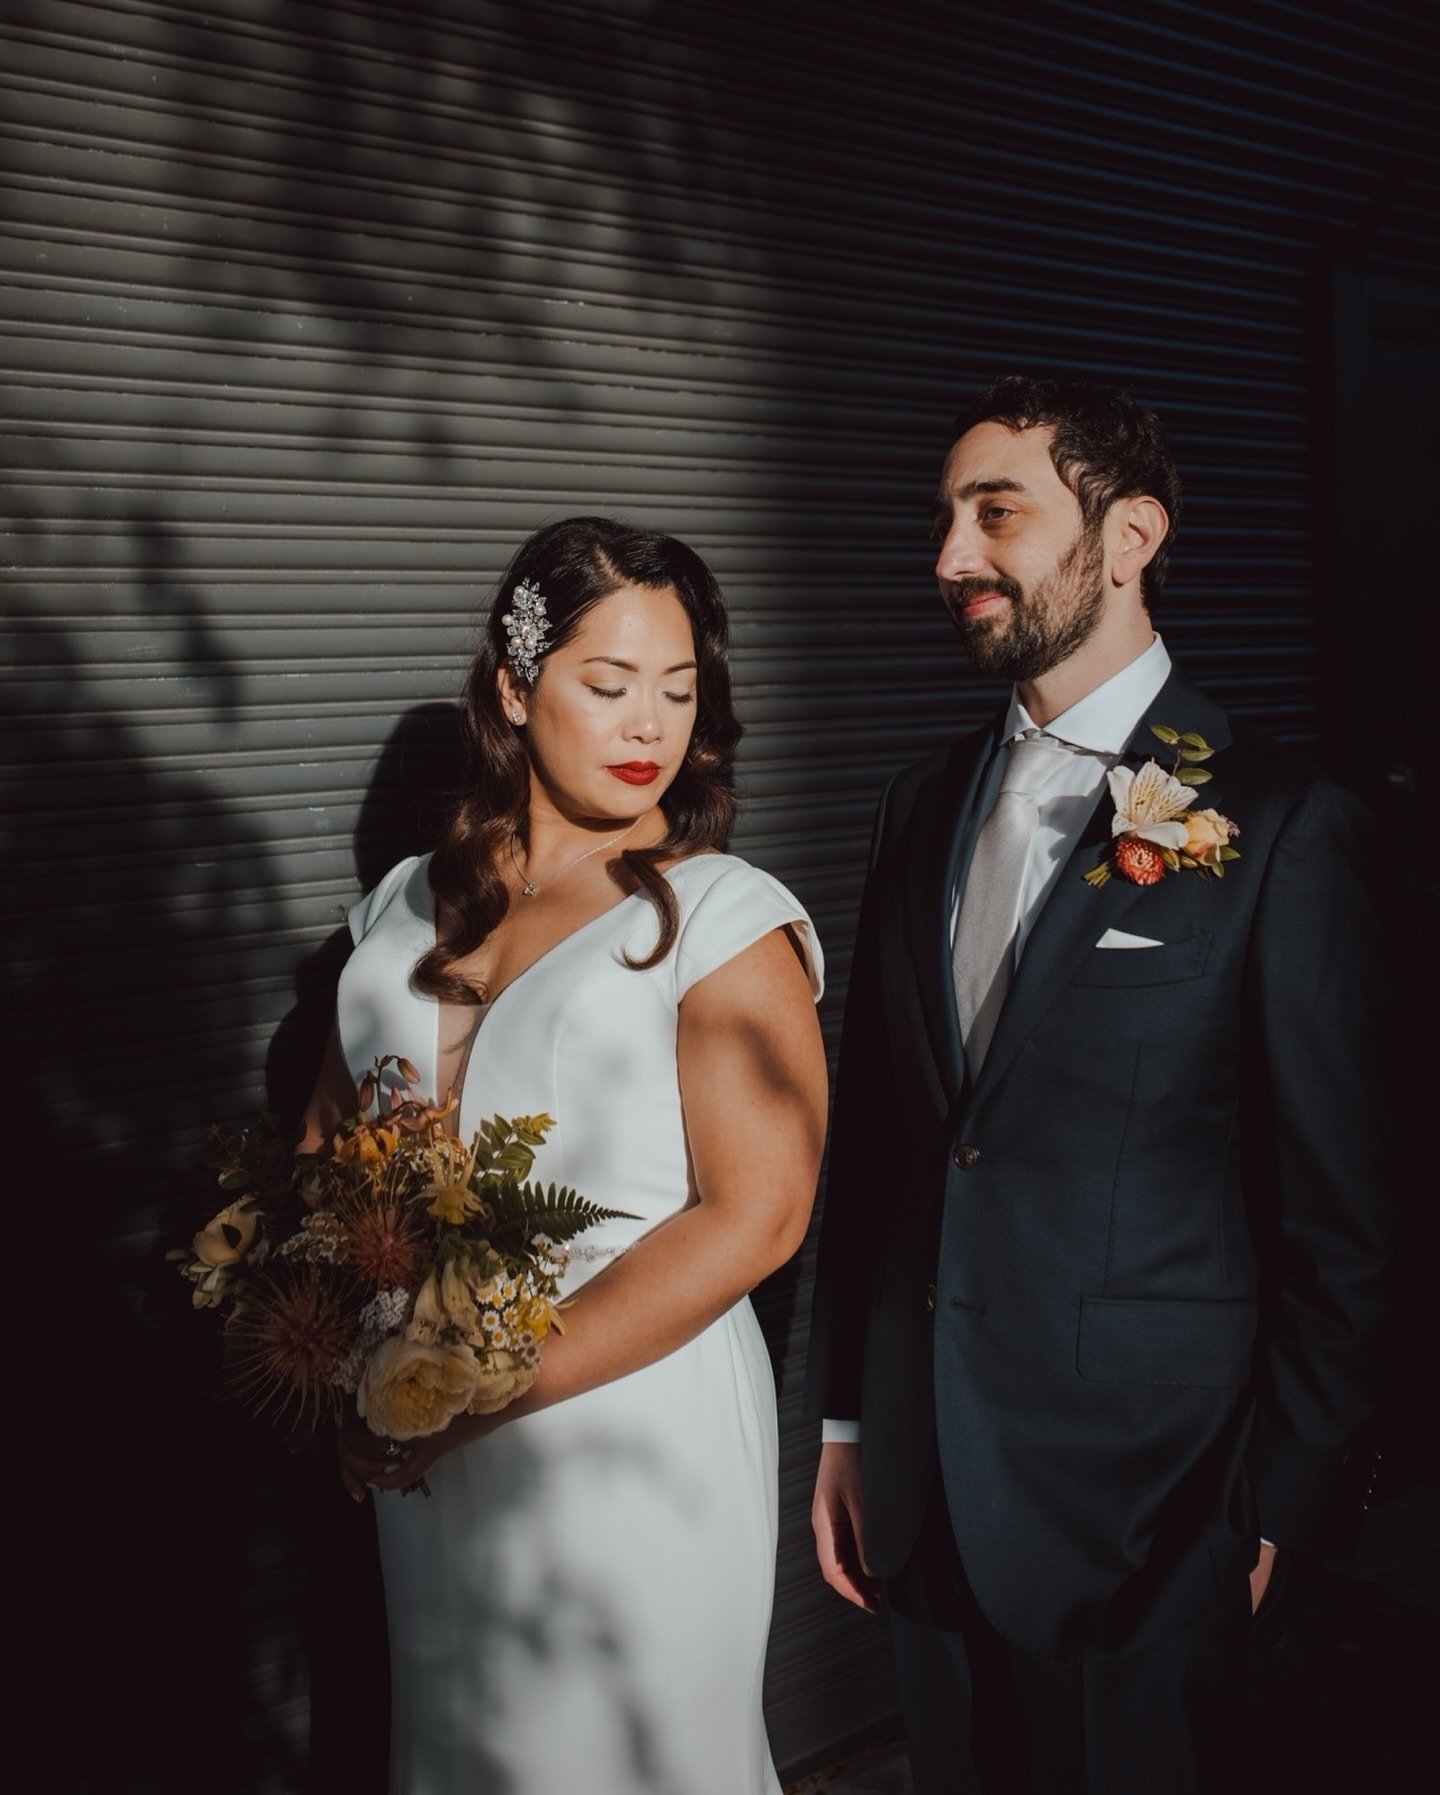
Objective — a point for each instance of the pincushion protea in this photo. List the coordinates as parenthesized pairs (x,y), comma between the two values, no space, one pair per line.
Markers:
(286,1339)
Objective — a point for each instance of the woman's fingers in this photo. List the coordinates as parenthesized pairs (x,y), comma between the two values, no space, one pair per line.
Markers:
(367,1459)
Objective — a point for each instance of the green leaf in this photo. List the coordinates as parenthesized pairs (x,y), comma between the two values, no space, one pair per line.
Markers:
(522,1211)
(1194,776)
(1216,868)
(1229,853)
(1191,740)
(1165,733)
(1193,754)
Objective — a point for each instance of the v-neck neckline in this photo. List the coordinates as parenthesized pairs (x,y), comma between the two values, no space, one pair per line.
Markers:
(554,948)
(491,1004)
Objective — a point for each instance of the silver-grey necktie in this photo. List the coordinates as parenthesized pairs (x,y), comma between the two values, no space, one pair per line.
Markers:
(990,912)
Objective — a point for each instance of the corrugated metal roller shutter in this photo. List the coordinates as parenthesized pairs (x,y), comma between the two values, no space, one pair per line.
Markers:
(314,311)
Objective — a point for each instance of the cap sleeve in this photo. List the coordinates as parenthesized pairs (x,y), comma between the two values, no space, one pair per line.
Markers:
(735,910)
(362,916)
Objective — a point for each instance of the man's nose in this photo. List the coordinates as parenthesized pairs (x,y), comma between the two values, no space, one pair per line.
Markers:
(962,551)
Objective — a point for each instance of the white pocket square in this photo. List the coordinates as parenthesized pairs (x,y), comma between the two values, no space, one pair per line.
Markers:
(1118,938)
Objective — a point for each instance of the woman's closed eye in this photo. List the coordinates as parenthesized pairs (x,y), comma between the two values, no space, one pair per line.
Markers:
(620,691)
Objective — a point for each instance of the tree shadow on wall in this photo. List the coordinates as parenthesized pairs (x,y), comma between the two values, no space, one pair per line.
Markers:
(421,183)
(143,913)
(130,894)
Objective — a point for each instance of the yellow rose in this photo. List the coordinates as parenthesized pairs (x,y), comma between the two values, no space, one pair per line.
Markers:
(228,1236)
(410,1389)
(1206,830)
(502,1378)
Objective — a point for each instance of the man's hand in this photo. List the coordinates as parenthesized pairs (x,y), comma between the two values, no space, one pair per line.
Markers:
(838,1516)
(1260,1576)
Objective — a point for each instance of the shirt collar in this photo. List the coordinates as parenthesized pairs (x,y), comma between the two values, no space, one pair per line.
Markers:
(1103,721)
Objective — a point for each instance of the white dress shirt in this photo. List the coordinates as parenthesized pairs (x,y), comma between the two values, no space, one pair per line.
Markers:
(1096,729)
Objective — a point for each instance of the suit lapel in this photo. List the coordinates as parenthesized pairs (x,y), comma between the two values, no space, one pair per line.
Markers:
(1076,914)
(934,842)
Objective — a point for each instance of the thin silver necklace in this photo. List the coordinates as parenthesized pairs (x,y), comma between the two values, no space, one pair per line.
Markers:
(529,886)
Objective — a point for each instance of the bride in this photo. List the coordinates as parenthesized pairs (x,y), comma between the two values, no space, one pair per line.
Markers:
(583,1600)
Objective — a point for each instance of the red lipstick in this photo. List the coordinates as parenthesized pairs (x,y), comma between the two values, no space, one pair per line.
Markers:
(636,772)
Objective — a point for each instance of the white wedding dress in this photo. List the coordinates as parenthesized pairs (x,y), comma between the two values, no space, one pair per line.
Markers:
(581,1605)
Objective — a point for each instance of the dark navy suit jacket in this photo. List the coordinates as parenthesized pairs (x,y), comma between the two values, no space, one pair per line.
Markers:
(1123,1290)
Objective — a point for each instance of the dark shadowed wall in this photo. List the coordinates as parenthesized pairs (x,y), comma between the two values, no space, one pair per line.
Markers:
(312,311)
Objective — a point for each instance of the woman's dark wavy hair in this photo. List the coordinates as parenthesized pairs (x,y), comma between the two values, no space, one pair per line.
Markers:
(576,563)
(1106,447)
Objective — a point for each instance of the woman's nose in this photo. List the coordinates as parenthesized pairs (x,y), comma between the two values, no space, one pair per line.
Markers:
(643,723)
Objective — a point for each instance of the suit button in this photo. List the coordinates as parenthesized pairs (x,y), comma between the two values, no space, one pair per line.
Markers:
(930,1297)
(966,1156)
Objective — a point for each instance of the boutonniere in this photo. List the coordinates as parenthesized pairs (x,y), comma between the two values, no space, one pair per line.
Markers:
(1154,830)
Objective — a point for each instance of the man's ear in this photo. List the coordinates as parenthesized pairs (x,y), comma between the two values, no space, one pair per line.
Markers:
(1137,528)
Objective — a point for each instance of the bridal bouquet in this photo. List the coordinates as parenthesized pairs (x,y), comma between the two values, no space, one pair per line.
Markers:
(400,1267)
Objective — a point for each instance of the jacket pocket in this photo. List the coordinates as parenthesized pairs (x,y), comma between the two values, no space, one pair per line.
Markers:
(1165,965)
(1139,1340)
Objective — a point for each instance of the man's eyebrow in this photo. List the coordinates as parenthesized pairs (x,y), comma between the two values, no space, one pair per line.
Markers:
(609,660)
(973,488)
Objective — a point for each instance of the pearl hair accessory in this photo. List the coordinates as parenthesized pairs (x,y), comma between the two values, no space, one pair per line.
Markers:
(527,629)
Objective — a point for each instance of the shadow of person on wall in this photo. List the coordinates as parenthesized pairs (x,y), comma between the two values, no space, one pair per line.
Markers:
(414,785)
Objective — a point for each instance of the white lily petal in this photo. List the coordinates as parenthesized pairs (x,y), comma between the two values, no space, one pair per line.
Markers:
(1164,835)
(1156,796)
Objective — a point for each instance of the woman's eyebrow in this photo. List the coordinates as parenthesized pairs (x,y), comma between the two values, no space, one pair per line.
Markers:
(609,660)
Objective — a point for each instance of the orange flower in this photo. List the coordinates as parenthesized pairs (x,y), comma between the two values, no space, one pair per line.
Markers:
(370,1144)
(1138,861)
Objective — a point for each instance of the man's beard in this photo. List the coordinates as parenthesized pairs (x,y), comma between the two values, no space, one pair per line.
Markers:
(1039,631)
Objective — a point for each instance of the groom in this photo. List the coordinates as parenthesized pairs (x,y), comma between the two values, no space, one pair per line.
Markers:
(1100,1271)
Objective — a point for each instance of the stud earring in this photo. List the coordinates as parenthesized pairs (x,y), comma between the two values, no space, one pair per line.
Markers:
(517,716)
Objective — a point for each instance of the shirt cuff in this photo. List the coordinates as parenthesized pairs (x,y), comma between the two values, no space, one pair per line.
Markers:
(839,1433)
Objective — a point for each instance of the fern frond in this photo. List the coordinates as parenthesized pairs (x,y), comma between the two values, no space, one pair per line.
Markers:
(524,1210)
